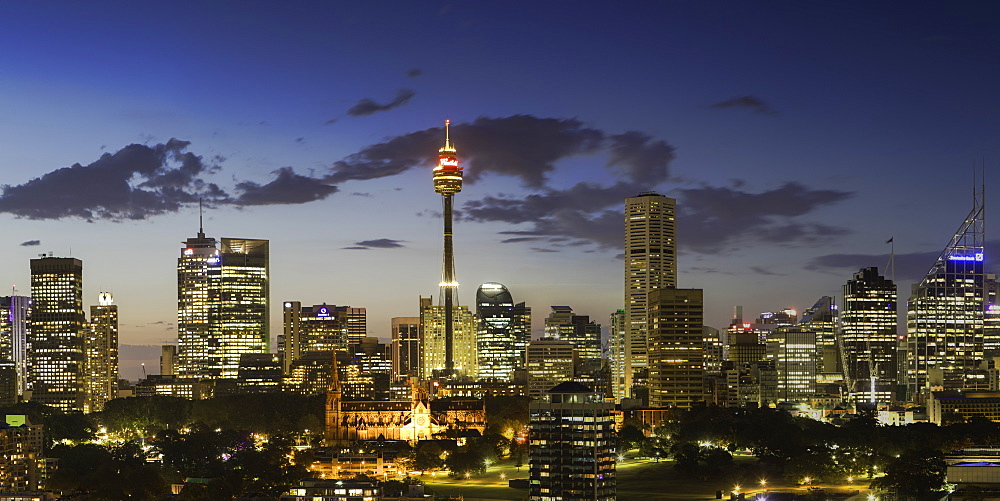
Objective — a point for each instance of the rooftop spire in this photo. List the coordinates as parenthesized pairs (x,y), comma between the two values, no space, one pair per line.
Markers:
(201,220)
(447,138)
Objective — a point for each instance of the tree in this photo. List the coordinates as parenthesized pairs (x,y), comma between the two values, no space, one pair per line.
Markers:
(915,473)
(630,437)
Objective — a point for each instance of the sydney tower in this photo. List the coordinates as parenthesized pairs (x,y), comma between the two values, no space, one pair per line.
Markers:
(447,182)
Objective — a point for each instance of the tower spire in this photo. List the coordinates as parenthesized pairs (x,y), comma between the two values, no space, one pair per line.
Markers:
(448,182)
(201,220)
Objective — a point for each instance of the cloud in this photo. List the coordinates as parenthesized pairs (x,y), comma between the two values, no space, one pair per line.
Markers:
(749,102)
(135,182)
(368,106)
(31,243)
(380,243)
(910,266)
(286,188)
(522,146)
(414,72)
(760,270)
(714,219)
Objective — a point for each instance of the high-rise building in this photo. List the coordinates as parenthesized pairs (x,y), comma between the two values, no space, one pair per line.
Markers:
(650,264)
(868,336)
(22,455)
(320,328)
(793,351)
(434,338)
(448,182)
(676,347)
(946,311)
(222,305)
(571,452)
(405,347)
(168,359)
(549,362)
(15,315)
(617,321)
(821,318)
(580,331)
(101,353)
(57,323)
(503,334)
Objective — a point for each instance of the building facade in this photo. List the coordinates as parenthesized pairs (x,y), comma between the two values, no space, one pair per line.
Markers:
(571,452)
(868,334)
(222,305)
(650,264)
(580,331)
(57,333)
(503,333)
(319,328)
(793,351)
(101,353)
(15,315)
(549,362)
(676,347)
(434,341)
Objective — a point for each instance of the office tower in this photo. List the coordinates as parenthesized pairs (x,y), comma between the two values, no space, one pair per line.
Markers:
(504,332)
(991,322)
(868,335)
(101,353)
(8,383)
(15,315)
(168,358)
(793,351)
(946,311)
(821,318)
(319,328)
(617,320)
(713,349)
(434,322)
(222,305)
(580,331)
(676,349)
(571,452)
(405,347)
(549,362)
(57,322)
(259,373)
(365,370)
(448,182)
(650,264)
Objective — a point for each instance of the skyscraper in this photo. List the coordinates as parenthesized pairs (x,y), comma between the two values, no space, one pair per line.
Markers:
(676,347)
(868,336)
(57,322)
(320,327)
(434,321)
(405,347)
(793,350)
(821,318)
(448,182)
(503,334)
(946,311)
(549,362)
(650,264)
(101,351)
(580,331)
(222,305)
(571,454)
(15,314)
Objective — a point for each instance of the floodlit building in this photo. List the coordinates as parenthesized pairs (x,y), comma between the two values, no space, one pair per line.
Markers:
(433,341)
(320,328)
(57,333)
(650,264)
(15,315)
(22,460)
(580,331)
(503,334)
(101,353)
(821,318)
(676,347)
(868,335)
(571,452)
(405,347)
(793,351)
(549,362)
(222,305)
(946,311)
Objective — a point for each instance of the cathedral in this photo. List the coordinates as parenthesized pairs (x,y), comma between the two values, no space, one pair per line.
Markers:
(418,418)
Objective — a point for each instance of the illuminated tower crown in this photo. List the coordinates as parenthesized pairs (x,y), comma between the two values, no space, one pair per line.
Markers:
(447,174)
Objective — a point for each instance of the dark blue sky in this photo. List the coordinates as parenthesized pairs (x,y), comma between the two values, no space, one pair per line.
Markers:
(792,134)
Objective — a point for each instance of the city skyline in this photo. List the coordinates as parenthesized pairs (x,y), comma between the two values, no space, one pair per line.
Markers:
(831,129)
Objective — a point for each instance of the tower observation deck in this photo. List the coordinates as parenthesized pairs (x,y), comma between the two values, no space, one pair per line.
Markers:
(448,182)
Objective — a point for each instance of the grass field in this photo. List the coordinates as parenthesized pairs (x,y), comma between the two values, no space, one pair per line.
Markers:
(638,480)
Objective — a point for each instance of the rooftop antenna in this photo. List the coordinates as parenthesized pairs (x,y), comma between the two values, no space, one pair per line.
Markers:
(201,220)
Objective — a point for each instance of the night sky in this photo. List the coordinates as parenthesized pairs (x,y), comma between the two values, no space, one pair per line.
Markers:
(797,137)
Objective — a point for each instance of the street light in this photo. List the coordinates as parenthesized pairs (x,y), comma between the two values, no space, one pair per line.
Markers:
(763,482)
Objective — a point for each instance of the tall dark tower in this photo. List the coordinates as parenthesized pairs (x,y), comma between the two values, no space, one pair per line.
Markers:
(447,182)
